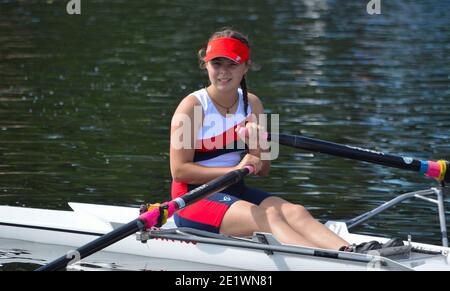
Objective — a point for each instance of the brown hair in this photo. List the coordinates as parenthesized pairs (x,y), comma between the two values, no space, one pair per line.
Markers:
(227,32)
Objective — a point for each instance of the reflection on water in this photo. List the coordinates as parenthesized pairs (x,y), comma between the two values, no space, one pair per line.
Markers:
(85,102)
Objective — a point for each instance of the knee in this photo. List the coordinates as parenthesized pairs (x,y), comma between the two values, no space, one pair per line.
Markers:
(296,212)
(273,215)
(265,218)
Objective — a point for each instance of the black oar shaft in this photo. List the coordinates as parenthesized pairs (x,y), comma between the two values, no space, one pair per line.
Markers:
(94,246)
(120,233)
(356,153)
(215,185)
(345,151)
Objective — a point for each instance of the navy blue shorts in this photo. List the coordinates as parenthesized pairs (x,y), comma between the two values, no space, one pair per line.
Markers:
(207,214)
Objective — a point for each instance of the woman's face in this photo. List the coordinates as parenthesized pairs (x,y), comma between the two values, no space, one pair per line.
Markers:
(225,74)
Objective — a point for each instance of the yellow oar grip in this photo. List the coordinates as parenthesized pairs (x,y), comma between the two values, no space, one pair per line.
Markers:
(163,212)
(443,165)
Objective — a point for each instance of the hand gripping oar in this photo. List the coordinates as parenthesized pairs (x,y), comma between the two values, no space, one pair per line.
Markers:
(438,170)
(150,218)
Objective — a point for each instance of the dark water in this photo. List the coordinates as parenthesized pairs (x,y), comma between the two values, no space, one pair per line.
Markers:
(86,100)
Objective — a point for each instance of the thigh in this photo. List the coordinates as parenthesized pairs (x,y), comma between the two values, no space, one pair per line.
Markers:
(274,201)
(290,211)
(206,214)
(243,218)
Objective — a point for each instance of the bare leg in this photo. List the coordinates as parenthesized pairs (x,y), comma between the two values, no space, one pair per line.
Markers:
(303,223)
(244,218)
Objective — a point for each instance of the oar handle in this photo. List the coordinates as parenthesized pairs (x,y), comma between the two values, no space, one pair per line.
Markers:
(150,218)
(438,170)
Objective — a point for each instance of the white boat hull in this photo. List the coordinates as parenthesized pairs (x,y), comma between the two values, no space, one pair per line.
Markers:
(88,221)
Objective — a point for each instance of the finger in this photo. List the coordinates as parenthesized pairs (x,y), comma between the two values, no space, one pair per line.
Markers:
(251,118)
(238,128)
(258,168)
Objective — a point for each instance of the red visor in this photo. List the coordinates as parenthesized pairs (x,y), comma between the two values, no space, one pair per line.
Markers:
(227,47)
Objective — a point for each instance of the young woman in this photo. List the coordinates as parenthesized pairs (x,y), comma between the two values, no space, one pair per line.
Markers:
(205,145)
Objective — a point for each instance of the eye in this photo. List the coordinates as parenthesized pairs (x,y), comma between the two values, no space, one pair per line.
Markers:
(232,65)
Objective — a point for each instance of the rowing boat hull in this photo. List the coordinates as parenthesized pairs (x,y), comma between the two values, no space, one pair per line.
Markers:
(88,221)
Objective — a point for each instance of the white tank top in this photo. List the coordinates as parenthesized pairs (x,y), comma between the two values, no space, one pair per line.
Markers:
(218,145)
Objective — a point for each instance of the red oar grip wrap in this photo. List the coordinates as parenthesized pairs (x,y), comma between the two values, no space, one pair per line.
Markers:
(437,170)
(156,217)
(250,168)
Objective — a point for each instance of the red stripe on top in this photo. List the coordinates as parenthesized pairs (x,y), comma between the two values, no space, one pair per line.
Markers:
(217,142)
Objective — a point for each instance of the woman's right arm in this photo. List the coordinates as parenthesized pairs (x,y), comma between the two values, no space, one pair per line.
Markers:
(183,137)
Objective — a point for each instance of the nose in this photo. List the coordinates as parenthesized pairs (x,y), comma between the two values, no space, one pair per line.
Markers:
(223,69)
